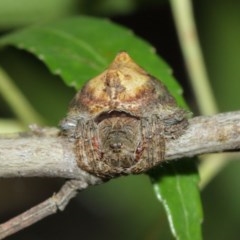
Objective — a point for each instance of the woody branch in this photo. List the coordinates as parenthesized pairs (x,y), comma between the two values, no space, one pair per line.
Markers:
(48,155)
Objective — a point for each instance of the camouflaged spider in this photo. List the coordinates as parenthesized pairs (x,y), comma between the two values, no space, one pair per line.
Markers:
(121,119)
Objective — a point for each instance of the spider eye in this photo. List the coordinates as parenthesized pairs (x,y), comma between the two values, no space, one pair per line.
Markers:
(116,145)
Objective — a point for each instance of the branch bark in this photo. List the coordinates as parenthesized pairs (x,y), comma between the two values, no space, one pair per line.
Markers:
(43,153)
(48,155)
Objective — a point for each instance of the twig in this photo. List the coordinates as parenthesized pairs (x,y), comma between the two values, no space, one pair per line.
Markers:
(218,133)
(44,153)
(50,206)
(53,156)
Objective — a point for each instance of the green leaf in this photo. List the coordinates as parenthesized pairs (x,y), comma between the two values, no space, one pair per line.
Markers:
(25,12)
(176,186)
(80,48)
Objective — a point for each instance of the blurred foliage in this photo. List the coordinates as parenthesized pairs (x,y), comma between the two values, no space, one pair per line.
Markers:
(220,35)
(19,13)
(102,207)
(218,24)
(25,12)
(40,91)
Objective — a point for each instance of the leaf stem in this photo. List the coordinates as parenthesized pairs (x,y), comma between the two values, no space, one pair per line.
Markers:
(187,33)
(188,37)
(17,101)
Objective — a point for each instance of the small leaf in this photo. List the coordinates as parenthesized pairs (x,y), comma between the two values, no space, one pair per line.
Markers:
(176,186)
(80,48)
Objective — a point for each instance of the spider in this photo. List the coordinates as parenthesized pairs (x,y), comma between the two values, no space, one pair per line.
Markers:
(121,119)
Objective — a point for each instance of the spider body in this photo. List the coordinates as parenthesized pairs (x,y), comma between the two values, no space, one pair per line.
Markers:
(121,119)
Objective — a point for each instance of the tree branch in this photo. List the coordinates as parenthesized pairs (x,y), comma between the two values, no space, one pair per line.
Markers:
(43,153)
(47,155)
(212,134)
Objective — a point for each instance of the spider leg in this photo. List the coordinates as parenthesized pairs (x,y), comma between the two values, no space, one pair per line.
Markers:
(152,144)
(175,124)
(155,141)
(79,143)
(92,144)
(158,141)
